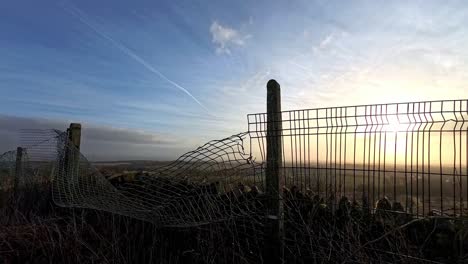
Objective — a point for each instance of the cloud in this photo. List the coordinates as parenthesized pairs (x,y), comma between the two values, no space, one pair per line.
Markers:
(98,142)
(85,20)
(328,40)
(324,43)
(126,136)
(225,38)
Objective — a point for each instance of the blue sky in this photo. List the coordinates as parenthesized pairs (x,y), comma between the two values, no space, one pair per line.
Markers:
(190,71)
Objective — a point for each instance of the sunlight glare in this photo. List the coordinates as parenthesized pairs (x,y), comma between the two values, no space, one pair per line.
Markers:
(395,126)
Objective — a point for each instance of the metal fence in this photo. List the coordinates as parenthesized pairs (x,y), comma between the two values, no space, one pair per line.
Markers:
(414,153)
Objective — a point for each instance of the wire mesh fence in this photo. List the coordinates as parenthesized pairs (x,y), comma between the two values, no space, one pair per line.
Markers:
(201,187)
(209,192)
(7,176)
(26,173)
(369,173)
(416,153)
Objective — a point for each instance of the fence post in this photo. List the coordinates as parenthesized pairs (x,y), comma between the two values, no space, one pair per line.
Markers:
(73,153)
(274,251)
(18,172)
(74,135)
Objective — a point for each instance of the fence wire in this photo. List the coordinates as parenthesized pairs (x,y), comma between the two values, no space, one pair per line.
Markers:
(201,187)
(26,173)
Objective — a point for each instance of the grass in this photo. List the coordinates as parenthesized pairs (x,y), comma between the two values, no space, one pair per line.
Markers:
(34,230)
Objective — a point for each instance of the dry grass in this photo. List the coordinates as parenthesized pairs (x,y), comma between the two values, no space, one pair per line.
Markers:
(44,233)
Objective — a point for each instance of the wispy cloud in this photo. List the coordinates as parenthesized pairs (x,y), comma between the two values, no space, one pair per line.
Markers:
(85,20)
(225,37)
(328,41)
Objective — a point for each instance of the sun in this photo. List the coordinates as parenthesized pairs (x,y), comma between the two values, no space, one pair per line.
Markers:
(395,126)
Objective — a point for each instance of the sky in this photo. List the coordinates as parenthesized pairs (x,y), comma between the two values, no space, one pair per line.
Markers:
(159,78)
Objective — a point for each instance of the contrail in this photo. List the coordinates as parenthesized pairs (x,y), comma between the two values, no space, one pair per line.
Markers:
(83,18)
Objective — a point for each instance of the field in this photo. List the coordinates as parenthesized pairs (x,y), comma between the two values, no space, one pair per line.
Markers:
(229,226)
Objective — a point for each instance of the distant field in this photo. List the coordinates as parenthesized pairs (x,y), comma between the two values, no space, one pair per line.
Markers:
(117,163)
(417,187)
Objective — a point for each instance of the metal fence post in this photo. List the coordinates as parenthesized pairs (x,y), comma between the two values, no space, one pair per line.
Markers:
(274,251)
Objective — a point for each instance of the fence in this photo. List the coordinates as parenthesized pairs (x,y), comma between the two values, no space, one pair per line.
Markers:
(414,153)
(26,173)
(298,185)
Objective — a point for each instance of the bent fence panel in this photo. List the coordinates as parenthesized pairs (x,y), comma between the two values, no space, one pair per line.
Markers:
(198,188)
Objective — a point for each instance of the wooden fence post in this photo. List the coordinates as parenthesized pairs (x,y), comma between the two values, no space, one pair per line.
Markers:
(274,250)
(18,172)
(74,135)
(73,152)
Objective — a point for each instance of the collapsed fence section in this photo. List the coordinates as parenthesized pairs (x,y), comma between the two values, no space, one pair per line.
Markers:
(201,187)
(209,192)
(416,153)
